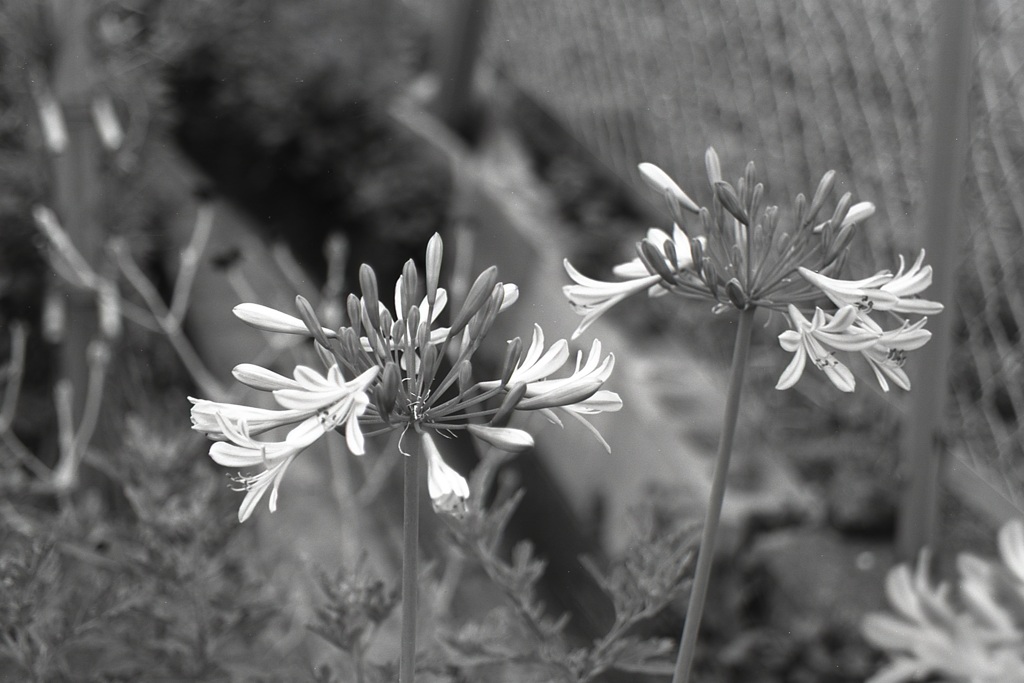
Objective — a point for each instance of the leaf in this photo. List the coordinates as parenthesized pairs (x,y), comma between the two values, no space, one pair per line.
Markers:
(652,656)
(498,638)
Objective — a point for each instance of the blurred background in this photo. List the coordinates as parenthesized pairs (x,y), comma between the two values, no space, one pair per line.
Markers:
(254,150)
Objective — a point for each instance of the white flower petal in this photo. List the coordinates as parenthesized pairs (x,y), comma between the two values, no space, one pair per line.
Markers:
(794,370)
(790,340)
(444,484)
(631,270)
(258,420)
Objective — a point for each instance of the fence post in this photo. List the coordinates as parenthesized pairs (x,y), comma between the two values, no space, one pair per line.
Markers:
(457,41)
(65,95)
(945,159)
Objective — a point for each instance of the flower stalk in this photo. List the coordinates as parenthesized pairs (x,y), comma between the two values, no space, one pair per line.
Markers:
(706,553)
(410,564)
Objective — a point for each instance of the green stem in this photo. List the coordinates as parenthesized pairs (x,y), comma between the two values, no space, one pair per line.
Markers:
(706,554)
(410,547)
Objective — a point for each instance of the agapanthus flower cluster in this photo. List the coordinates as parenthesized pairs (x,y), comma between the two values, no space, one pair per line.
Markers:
(978,638)
(741,253)
(402,371)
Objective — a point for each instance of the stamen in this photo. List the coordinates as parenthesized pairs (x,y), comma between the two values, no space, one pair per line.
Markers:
(896,357)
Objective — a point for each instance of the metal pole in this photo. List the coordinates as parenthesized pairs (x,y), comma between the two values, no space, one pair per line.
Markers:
(945,158)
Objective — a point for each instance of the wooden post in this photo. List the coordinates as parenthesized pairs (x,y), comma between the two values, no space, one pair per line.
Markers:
(924,444)
(456,50)
(76,180)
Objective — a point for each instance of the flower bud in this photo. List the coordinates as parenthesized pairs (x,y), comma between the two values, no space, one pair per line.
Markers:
(714,169)
(269,319)
(697,252)
(435,249)
(377,344)
(840,241)
(386,393)
(858,212)
(513,354)
(734,290)
(396,333)
(428,366)
(351,346)
(670,254)
(465,376)
(413,320)
(386,322)
(479,294)
(410,282)
(801,208)
(368,285)
(659,180)
(730,201)
(512,398)
(481,323)
(749,181)
(842,208)
(510,295)
(353,307)
(505,438)
(771,220)
(707,222)
(655,260)
(821,194)
(710,275)
(423,335)
(262,379)
(756,197)
(310,320)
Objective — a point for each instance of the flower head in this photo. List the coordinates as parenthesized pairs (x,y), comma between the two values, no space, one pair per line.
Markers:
(976,639)
(412,374)
(746,254)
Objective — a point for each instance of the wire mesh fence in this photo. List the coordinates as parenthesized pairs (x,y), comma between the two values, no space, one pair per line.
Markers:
(800,87)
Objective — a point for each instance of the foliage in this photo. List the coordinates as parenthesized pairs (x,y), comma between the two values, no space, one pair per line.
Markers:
(354,608)
(519,638)
(150,587)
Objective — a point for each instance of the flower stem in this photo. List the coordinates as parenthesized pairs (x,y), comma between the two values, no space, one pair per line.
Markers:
(410,547)
(706,554)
